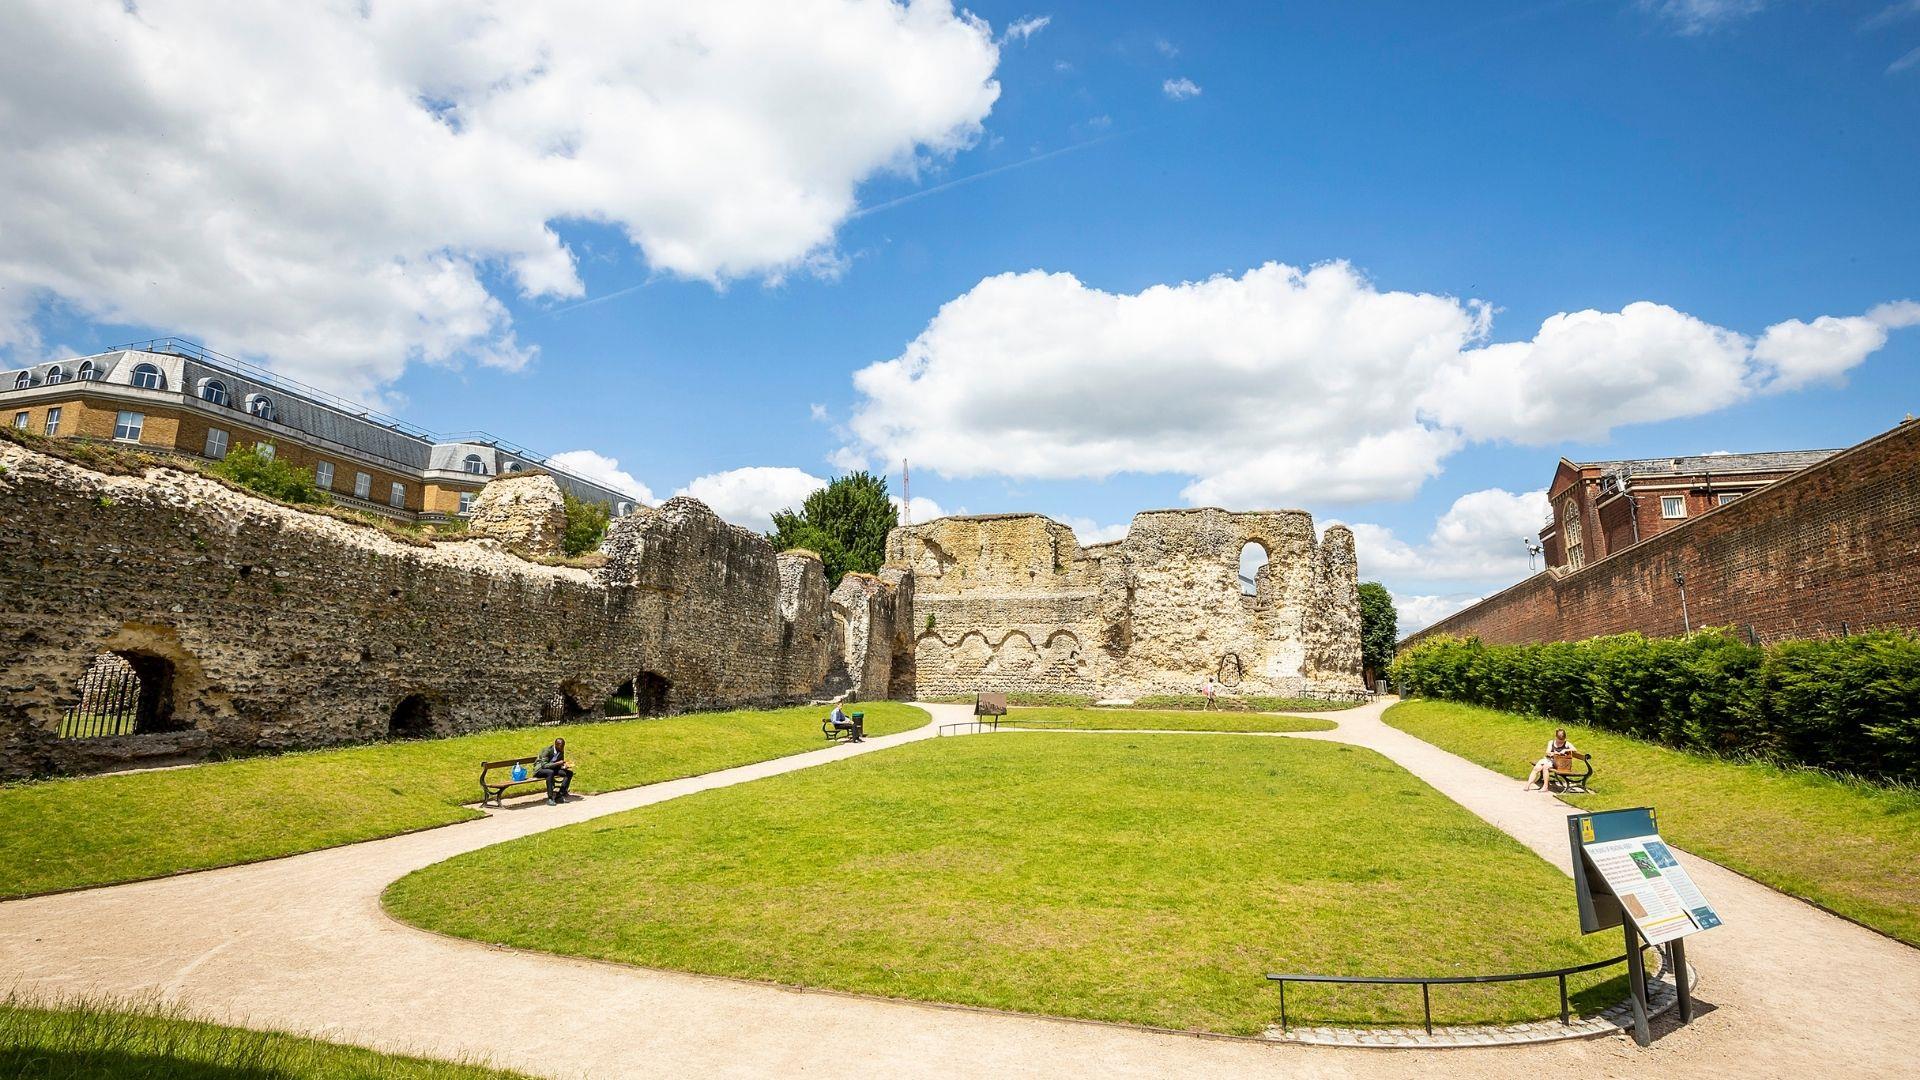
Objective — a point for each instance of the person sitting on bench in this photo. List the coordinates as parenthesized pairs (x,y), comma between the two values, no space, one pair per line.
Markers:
(845,723)
(1558,746)
(554,766)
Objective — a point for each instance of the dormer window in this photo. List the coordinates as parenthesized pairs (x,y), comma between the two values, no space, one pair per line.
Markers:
(474,465)
(261,406)
(215,391)
(55,375)
(148,377)
(23,380)
(87,372)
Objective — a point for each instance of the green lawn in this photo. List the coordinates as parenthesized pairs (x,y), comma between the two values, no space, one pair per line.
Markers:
(1141,719)
(1851,847)
(1143,878)
(1235,702)
(61,834)
(89,1042)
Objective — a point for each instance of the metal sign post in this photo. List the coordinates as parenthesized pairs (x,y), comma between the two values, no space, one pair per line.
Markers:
(1625,875)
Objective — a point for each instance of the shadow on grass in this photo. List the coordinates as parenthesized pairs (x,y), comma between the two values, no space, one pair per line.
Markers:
(41,1064)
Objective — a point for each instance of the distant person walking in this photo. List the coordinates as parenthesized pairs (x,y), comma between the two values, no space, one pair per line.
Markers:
(553,767)
(1207,690)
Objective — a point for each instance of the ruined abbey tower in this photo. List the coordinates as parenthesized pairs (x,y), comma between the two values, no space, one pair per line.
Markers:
(1013,602)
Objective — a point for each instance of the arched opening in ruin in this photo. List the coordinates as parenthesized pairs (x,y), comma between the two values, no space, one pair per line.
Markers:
(650,690)
(412,718)
(1253,558)
(565,705)
(620,702)
(123,692)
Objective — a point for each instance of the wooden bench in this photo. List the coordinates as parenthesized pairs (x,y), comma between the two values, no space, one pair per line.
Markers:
(1563,774)
(833,733)
(496,788)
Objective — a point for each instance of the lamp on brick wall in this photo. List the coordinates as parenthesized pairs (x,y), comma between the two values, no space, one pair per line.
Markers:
(1686,621)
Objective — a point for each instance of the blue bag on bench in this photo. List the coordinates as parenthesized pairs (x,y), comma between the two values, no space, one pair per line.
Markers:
(519,772)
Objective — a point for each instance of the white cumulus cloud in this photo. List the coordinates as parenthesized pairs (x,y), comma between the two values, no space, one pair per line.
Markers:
(593,465)
(923,509)
(1283,385)
(1479,538)
(345,188)
(1181,89)
(749,497)
(1417,611)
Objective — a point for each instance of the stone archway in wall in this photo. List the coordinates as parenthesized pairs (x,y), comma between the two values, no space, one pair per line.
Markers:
(651,694)
(1015,656)
(122,692)
(412,718)
(1061,655)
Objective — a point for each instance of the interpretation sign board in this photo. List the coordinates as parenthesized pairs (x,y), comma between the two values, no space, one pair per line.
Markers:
(1621,866)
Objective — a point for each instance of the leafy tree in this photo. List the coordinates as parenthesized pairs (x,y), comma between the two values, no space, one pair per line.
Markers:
(1379,626)
(846,522)
(255,468)
(586,525)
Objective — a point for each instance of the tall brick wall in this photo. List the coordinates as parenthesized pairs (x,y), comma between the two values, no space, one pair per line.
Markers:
(284,629)
(1834,547)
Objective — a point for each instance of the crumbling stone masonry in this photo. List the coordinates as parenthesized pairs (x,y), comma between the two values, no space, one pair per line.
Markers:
(256,626)
(525,511)
(1013,602)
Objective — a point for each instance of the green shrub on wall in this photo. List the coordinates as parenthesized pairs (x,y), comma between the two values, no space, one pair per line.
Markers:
(1848,704)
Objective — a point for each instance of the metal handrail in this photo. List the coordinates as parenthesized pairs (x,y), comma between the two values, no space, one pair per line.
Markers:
(1427,982)
(991,723)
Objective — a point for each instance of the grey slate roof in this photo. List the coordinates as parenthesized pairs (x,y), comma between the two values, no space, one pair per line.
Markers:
(1697,464)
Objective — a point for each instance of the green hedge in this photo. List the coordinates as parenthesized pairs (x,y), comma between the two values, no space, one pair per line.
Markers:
(1846,704)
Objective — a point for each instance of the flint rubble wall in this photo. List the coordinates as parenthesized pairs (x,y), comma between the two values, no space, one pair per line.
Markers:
(277,628)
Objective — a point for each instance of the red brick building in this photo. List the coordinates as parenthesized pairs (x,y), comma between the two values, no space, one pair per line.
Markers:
(1601,507)
(1831,548)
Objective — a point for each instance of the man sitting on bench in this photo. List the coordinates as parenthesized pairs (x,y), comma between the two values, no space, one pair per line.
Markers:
(842,722)
(553,765)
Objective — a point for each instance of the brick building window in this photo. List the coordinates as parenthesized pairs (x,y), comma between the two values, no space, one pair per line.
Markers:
(20,421)
(398,495)
(1673,506)
(466,502)
(148,377)
(127,426)
(265,450)
(323,475)
(362,485)
(216,443)
(1725,497)
(53,420)
(1570,529)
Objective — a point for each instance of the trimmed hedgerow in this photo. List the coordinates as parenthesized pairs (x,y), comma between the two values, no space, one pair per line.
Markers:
(1844,704)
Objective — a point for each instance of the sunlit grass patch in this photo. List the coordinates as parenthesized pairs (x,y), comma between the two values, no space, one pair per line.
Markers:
(61,834)
(1152,879)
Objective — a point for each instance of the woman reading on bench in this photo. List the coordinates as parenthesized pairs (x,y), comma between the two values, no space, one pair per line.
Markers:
(1558,746)
(843,722)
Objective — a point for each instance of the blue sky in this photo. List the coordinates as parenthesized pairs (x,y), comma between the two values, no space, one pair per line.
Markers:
(1741,164)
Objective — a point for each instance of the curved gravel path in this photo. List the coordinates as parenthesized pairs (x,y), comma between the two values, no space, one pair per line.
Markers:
(301,944)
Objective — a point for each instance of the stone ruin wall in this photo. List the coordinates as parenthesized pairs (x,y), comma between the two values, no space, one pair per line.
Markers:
(276,628)
(1014,603)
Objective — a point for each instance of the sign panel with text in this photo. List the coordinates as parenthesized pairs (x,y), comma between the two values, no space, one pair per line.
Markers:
(1622,867)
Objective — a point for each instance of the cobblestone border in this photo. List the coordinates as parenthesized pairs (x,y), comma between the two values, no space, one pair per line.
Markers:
(1616,1017)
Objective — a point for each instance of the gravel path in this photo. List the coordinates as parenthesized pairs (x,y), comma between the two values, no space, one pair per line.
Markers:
(301,944)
